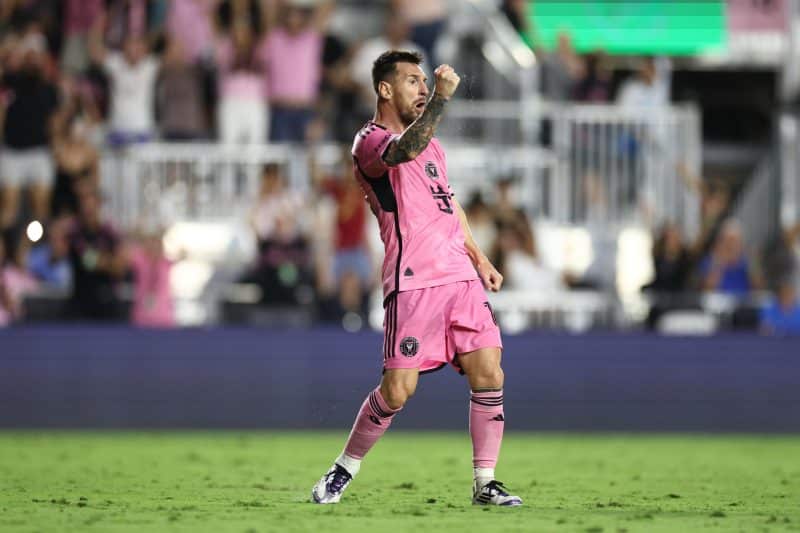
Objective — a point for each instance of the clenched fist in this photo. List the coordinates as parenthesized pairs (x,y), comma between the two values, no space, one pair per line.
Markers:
(446,81)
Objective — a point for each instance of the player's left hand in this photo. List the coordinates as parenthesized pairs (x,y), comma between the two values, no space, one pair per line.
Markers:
(491,278)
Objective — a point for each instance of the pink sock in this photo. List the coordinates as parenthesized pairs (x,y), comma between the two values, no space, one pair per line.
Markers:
(486,424)
(373,419)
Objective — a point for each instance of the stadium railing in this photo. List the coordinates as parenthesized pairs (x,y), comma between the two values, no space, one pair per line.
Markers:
(789,170)
(604,164)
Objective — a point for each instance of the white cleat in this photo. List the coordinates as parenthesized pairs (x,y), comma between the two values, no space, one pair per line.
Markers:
(494,493)
(330,487)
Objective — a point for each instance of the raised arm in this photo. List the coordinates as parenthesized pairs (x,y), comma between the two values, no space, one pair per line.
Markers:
(417,136)
(97,48)
(491,278)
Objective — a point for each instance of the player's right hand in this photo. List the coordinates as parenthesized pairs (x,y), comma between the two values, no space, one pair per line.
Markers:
(446,81)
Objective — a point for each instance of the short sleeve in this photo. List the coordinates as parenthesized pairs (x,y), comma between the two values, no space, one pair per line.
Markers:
(368,149)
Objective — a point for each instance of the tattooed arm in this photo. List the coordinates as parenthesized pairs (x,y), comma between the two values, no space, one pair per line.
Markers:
(417,136)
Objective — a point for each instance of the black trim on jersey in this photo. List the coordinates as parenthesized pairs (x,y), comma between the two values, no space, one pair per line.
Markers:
(382,188)
(372,122)
(390,331)
(399,250)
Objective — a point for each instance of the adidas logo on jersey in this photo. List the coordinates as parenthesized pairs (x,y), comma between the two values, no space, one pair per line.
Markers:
(408,273)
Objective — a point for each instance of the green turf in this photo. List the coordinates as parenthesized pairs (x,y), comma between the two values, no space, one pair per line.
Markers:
(219,482)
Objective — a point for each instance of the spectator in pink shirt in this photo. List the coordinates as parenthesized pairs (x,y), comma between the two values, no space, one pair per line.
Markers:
(242,112)
(14,283)
(292,56)
(152,296)
(189,22)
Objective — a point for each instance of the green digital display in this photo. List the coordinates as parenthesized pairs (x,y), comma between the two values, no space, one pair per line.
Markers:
(629,27)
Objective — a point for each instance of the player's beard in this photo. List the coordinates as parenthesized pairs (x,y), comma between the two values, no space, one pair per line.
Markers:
(410,114)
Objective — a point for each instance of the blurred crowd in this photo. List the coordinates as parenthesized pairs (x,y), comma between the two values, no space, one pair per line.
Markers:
(80,77)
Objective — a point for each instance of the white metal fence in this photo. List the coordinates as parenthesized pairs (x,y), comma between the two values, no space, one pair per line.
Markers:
(789,170)
(617,165)
(591,163)
(602,164)
(159,184)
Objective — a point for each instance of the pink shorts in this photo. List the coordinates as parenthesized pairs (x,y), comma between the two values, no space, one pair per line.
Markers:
(427,328)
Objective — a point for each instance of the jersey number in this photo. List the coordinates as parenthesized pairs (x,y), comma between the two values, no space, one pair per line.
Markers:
(442,198)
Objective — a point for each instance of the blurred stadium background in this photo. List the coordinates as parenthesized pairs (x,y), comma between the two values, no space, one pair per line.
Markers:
(183,242)
(183,247)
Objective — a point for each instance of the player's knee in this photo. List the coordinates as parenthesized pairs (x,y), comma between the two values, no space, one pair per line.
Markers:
(396,394)
(491,377)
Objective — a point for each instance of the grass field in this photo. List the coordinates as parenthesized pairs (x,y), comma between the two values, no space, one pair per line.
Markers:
(256,482)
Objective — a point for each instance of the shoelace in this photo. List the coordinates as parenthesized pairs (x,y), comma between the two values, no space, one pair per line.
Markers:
(339,479)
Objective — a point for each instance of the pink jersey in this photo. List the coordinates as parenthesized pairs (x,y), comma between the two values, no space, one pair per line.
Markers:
(419,226)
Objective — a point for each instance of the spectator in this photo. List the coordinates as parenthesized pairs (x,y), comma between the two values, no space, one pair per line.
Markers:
(481,221)
(189,23)
(49,262)
(14,283)
(253,15)
(132,76)
(395,37)
(561,70)
(179,96)
(671,261)
(31,103)
(792,242)
(77,160)
(283,262)
(97,263)
(594,86)
(781,316)
(353,272)
(242,112)
(727,269)
(507,213)
(125,20)
(37,16)
(292,56)
(427,19)
(152,295)
(339,93)
(715,197)
(650,87)
(80,16)
(519,263)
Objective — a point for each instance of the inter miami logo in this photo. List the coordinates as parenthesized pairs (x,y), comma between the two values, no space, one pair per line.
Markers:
(409,346)
(431,170)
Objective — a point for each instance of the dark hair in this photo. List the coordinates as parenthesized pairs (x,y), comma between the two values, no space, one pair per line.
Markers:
(384,66)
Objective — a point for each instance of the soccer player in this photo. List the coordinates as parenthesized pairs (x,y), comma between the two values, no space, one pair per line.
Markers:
(436,309)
